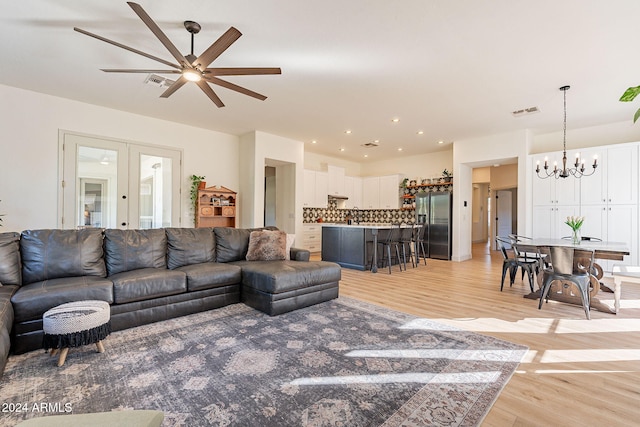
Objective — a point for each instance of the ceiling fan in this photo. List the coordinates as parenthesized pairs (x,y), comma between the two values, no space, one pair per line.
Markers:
(190,67)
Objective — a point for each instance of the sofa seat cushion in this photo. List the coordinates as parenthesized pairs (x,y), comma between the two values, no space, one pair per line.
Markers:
(274,277)
(211,275)
(146,283)
(32,300)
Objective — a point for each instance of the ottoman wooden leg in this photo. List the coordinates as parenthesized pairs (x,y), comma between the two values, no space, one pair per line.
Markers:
(63,356)
(53,352)
(100,347)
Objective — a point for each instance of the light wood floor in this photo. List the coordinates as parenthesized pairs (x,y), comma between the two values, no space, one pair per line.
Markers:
(577,372)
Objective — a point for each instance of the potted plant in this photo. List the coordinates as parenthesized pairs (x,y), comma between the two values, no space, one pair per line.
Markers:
(197,182)
(628,96)
(446,175)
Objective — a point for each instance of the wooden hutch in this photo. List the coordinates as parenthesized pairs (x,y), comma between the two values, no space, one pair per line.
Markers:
(216,207)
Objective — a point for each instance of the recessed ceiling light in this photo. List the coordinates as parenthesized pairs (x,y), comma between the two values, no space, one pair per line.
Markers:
(348,131)
(377,141)
(440,142)
(341,148)
(314,142)
(420,132)
(395,120)
(366,155)
(399,148)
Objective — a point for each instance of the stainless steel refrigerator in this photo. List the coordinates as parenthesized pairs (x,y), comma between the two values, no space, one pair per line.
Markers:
(434,210)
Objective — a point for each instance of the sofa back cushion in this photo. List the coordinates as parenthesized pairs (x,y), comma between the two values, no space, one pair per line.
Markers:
(188,246)
(51,254)
(232,243)
(127,250)
(10,268)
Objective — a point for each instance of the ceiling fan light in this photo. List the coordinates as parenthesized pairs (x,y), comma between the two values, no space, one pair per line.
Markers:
(192,75)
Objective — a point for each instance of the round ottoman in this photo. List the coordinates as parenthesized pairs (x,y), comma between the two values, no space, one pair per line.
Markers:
(74,324)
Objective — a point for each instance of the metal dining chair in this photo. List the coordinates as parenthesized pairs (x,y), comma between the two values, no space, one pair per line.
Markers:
(528,259)
(568,264)
(509,261)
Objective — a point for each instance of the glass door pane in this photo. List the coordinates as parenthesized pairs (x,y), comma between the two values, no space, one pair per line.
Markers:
(155,193)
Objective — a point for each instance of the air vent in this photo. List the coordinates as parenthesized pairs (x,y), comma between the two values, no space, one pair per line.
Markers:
(370,144)
(525,111)
(156,80)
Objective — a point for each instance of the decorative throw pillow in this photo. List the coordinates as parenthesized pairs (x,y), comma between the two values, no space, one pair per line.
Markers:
(267,245)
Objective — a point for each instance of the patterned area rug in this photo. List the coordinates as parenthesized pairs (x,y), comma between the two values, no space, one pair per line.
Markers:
(339,363)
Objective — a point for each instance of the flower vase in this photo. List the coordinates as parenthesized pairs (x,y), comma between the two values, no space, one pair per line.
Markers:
(575,237)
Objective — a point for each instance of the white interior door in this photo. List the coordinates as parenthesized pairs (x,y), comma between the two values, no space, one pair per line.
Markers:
(503,213)
(94,182)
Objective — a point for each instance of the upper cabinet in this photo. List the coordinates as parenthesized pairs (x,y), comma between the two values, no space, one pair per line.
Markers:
(353,191)
(370,192)
(390,191)
(552,191)
(616,178)
(315,189)
(336,180)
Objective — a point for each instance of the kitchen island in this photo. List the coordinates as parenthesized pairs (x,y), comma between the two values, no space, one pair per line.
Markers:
(353,245)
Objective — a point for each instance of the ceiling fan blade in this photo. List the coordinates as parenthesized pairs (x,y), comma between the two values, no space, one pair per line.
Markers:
(235,87)
(174,87)
(158,33)
(125,70)
(130,49)
(246,71)
(216,49)
(210,93)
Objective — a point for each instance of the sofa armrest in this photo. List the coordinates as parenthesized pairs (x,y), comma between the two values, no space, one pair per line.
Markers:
(298,254)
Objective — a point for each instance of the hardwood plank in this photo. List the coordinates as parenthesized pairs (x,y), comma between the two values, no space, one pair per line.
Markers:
(577,371)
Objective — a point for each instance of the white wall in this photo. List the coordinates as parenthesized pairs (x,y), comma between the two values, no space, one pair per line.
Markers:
(423,165)
(319,162)
(612,133)
(30,123)
(481,152)
(257,150)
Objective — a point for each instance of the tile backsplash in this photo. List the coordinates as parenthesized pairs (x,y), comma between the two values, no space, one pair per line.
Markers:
(332,214)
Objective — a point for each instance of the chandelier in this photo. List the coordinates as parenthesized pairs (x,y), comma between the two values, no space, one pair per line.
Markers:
(578,169)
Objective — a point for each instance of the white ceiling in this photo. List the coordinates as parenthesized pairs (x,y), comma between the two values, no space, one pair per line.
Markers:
(454,69)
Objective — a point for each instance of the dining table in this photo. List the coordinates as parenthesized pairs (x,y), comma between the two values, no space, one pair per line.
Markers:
(603,250)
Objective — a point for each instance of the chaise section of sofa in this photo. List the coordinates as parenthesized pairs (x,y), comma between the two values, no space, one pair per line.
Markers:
(277,286)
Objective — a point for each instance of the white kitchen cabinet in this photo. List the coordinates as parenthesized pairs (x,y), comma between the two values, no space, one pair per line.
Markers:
(353,190)
(322,191)
(548,221)
(390,191)
(312,237)
(336,180)
(556,191)
(593,188)
(371,192)
(315,189)
(622,175)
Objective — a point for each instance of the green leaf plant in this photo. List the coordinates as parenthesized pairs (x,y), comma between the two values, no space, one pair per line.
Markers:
(628,96)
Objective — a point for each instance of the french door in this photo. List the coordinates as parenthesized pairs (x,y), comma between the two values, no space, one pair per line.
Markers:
(115,184)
